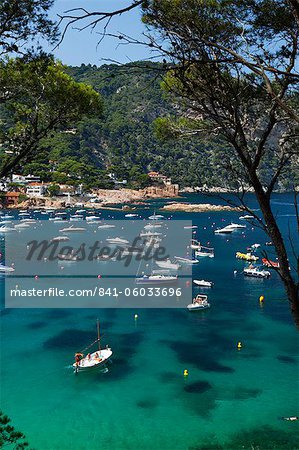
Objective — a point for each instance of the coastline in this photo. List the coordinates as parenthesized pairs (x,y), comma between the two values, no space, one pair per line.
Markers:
(130,199)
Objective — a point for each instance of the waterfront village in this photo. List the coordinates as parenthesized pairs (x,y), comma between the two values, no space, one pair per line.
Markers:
(29,191)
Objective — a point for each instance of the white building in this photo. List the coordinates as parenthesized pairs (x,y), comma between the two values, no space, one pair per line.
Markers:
(36,190)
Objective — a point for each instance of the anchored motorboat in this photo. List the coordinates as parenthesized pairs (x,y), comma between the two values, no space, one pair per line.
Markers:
(246,256)
(6,269)
(256,272)
(72,229)
(203,283)
(117,240)
(157,279)
(205,251)
(225,230)
(200,302)
(246,217)
(236,226)
(168,264)
(186,260)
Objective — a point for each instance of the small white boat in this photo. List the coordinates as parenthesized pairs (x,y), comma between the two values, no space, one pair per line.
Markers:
(105,226)
(255,246)
(60,239)
(6,269)
(205,251)
(157,279)
(92,218)
(22,225)
(186,260)
(246,217)
(28,221)
(225,230)
(72,229)
(7,217)
(199,303)
(131,215)
(236,226)
(80,211)
(195,245)
(167,264)
(256,272)
(156,217)
(92,360)
(76,218)
(5,229)
(152,226)
(150,234)
(117,240)
(191,227)
(203,283)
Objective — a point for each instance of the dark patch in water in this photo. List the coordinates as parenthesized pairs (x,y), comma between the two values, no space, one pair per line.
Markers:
(124,347)
(202,406)
(72,339)
(286,359)
(119,368)
(199,355)
(148,403)
(238,393)
(37,325)
(4,312)
(198,387)
(245,393)
(57,313)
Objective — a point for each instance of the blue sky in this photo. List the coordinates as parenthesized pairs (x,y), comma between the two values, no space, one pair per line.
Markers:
(81,47)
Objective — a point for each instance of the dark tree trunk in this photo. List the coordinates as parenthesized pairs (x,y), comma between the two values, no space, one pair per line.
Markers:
(295,7)
(277,239)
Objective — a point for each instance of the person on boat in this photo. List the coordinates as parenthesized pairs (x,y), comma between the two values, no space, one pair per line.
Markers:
(88,356)
(78,357)
(96,355)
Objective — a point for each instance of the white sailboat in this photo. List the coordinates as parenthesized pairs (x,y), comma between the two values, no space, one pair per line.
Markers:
(92,360)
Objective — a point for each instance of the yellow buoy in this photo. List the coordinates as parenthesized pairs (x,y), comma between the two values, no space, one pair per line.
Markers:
(239,345)
(186,373)
(262,298)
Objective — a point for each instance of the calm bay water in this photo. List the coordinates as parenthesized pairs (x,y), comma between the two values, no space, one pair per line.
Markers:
(230,400)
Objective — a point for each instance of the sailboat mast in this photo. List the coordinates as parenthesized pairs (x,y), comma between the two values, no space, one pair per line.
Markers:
(98,328)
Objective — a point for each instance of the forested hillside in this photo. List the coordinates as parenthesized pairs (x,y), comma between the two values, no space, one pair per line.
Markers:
(123,140)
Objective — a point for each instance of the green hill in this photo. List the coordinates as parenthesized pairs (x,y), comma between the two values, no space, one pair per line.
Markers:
(123,141)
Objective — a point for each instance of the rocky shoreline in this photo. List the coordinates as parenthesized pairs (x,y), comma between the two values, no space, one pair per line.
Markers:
(106,198)
(197,208)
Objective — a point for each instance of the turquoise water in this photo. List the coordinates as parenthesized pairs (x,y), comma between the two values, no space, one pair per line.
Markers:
(231,399)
